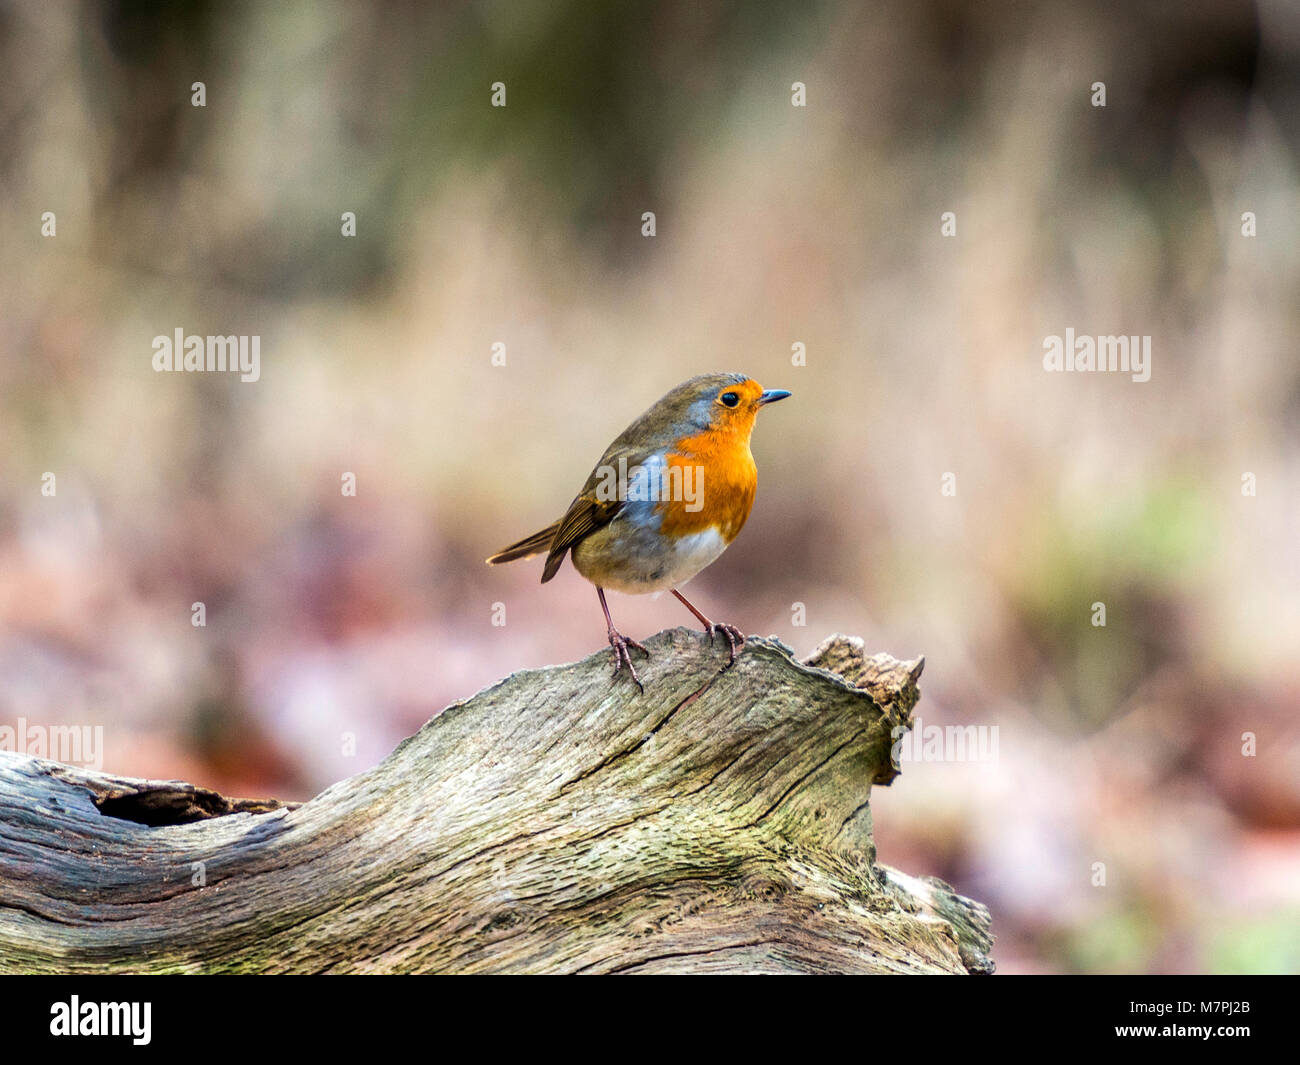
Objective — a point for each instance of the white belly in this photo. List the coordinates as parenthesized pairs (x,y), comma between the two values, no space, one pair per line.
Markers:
(670,564)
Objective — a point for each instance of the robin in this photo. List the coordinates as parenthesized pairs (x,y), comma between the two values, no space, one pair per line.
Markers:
(665,500)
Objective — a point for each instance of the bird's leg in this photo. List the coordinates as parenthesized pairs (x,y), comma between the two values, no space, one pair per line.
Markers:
(620,644)
(735,638)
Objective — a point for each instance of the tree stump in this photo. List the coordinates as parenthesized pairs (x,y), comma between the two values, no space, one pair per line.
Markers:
(557,822)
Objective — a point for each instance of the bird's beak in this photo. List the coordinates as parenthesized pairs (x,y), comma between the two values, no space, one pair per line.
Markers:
(772,395)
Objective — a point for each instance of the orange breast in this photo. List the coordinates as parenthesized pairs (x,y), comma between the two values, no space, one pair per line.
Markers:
(717,473)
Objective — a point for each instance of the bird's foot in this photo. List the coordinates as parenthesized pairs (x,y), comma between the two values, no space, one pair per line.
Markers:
(735,638)
(621,646)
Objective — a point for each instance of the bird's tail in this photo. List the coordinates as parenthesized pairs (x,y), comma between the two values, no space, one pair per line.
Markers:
(527,547)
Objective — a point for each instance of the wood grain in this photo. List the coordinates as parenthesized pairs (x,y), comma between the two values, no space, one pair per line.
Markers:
(554,823)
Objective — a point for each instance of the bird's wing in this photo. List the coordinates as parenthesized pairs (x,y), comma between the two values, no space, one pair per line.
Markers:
(584,516)
(591,509)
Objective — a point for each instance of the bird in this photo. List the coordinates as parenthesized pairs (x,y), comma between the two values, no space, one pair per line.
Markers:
(664,501)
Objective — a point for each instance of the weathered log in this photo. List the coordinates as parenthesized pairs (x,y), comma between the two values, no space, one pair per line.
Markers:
(555,822)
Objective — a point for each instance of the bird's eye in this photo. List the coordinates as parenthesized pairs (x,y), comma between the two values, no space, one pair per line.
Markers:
(729,399)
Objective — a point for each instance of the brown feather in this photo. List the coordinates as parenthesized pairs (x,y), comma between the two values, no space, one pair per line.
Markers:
(527,547)
(584,516)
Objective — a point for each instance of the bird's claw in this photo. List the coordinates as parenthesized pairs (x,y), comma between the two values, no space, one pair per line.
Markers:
(619,645)
(735,638)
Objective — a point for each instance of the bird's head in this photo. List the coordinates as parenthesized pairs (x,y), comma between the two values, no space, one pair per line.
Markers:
(726,402)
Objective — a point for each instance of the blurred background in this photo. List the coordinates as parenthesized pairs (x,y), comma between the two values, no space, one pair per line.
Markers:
(336,625)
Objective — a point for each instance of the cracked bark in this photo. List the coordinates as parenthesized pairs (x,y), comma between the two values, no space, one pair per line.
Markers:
(555,822)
